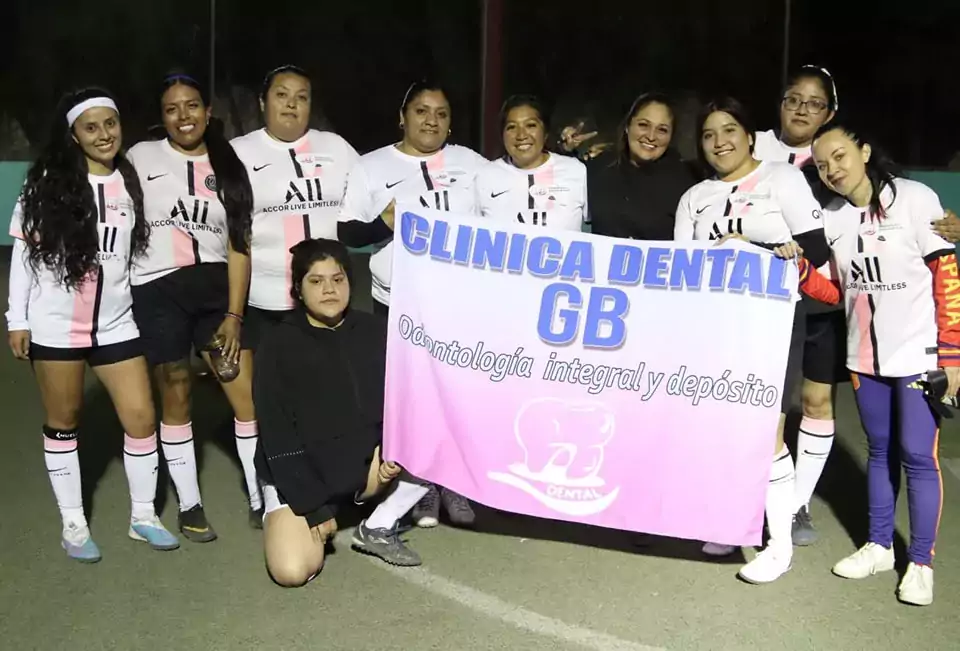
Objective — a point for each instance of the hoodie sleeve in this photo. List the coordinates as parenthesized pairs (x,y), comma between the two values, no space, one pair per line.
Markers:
(941,258)
(295,476)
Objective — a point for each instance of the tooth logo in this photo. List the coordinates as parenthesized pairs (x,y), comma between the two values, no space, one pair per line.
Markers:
(563,444)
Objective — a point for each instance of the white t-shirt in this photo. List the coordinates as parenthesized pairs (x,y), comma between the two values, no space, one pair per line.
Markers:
(771,205)
(100,311)
(297,190)
(886,283)
(768,147)
(443,181)
(553,195)
(188,224)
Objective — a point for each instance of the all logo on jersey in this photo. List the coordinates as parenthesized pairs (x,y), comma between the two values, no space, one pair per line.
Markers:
(304,190)
(303,195)
(107,245)
(734,226)
(439,200)
(196,214)
(866,275)
(536,218)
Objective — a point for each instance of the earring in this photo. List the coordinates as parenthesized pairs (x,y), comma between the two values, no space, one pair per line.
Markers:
(401,124)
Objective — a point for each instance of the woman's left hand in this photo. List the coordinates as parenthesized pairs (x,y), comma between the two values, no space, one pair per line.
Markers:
(388,471)
(230,329)
(788,251)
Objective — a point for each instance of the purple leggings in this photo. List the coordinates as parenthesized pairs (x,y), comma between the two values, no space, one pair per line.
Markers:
(902,429)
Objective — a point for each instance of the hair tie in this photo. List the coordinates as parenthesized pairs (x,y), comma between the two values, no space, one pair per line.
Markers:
(93,102)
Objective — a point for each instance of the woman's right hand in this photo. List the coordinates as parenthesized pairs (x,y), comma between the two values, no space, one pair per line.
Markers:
(19,341)
(788,251)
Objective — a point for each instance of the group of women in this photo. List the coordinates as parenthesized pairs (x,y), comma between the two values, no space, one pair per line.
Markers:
(130,262)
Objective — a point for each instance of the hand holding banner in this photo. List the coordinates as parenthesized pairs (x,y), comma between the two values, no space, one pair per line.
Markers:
(627,384)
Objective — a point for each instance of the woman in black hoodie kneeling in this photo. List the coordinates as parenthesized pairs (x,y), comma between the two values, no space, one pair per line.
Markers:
(319,387)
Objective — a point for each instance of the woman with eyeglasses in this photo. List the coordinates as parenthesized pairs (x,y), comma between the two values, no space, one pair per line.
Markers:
(809,101)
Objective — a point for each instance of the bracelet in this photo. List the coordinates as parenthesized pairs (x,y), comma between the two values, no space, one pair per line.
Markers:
(233,315)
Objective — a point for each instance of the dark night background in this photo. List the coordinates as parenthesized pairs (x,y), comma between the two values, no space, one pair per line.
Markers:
(895,62)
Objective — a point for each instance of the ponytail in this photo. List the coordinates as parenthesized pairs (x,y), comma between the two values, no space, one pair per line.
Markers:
(140,238)
(233,185)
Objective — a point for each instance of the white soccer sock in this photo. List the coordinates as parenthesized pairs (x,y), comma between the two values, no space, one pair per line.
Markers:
(178,450)
(63,468)
(780,499)
(245,434)
(813,447)
(396,505)
(140,460)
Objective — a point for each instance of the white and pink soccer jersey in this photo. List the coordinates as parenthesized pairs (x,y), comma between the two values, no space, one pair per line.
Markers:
(553,195)
(188,224)
(443,181)
(100,311)
(297,190)
(768,147)
(770,205)
(887,285)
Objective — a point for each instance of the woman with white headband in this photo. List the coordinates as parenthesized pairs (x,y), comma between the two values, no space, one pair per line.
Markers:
(77,226)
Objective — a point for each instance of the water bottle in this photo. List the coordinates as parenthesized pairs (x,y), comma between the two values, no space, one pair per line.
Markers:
(226,369)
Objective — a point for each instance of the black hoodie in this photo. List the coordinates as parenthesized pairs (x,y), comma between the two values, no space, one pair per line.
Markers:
(319,399)
(637,201)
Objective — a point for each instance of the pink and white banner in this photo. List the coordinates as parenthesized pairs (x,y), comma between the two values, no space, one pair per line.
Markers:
(627,384)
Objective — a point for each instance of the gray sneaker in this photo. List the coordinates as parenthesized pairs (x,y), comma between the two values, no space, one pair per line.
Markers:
(385,544)
(458,508)
(803,532)
(426,513)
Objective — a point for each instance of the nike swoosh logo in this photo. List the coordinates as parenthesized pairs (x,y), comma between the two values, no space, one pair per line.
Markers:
(702,209)
(494,195)
(57,470)
(391,185)
(154,178)
(830,242)
(257,169)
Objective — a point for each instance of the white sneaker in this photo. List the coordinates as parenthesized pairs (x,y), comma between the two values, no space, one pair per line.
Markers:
(716,549)
(768,566)
(917,585)
(866,561)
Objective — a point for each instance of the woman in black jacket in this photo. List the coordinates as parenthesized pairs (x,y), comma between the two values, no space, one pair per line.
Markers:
(635,195)
(319,388)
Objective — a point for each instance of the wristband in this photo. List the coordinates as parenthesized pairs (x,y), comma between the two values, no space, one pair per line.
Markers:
(233,315)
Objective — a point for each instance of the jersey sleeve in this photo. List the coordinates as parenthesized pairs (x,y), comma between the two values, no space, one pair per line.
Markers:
(817,284)
(800,208)
(941,259)
(683,228)
(357,201)
(18,296)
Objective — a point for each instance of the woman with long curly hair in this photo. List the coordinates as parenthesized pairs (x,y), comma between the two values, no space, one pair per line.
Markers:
(190,289)
(77,227)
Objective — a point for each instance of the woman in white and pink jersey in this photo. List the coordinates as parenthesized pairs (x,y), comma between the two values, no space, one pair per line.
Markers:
(808,102)
(298,177)
(424,169)
(529,184)
(77,226)
(191,286)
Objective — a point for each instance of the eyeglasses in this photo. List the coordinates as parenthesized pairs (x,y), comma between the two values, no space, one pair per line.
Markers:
(814,106)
